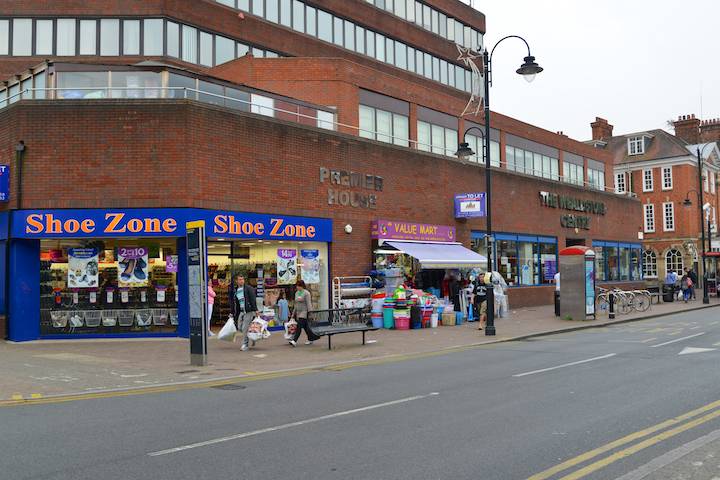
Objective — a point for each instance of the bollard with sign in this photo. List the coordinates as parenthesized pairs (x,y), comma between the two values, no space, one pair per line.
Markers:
(197,291)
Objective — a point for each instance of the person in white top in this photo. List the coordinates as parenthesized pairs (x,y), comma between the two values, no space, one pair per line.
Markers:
(557,281)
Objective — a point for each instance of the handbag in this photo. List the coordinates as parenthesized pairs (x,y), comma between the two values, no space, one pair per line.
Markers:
(228,331)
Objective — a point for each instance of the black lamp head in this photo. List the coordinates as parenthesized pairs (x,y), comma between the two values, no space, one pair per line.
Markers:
(464,151)
(529,68)
(687,203)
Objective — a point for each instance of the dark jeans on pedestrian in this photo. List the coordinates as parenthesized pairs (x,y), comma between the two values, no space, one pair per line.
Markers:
(302,324)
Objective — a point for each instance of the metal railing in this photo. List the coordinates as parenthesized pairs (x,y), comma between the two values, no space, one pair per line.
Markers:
(189,93)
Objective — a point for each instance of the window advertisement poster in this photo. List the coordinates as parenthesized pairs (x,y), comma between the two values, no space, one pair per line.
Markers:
(590,286)
(310,266)
(550,270)
(133,266)
(82,268)
(286,266)
(171,263)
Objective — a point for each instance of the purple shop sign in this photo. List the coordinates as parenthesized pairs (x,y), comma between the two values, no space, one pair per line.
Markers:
(469,205)
(390,230)
(132,252)
(171,263)
(286,253)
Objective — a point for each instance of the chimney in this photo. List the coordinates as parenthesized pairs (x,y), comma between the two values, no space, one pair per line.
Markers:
(687,128)
(601,129)
(710,130)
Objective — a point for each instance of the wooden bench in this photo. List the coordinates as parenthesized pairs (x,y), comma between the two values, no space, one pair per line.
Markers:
(326,323)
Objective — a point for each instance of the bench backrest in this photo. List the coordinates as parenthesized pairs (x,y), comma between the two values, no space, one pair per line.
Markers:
(339,317)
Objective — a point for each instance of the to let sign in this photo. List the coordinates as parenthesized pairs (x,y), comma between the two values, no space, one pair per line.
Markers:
(469,205)
(4,183)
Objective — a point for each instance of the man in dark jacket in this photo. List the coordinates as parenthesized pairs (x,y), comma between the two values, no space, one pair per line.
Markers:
(694,278)
(243,306)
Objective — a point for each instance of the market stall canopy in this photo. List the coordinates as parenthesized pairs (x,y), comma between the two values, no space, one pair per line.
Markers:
(440,255)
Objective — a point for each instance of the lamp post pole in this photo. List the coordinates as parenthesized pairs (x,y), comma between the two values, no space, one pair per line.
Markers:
(490,305)
(706,299)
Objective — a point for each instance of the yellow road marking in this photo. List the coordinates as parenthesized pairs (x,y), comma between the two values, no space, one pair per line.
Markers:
(593,467)
(624,440)
(36,395)
(17,396)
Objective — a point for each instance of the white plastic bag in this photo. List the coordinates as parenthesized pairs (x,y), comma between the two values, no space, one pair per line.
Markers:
(228,331)
(290,329)
(257,329)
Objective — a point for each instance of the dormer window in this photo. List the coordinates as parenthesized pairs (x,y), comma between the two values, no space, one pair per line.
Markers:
(636,145)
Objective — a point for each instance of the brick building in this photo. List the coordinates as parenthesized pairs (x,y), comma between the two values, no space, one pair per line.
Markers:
(661,170)
(273,120)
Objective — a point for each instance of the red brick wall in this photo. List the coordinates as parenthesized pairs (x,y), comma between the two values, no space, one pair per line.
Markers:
(95,154)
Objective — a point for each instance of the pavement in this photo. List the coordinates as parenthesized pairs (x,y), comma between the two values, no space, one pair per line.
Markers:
(47,368)
(599,403)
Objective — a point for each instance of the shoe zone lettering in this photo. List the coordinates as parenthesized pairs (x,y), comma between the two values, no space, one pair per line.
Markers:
(164,222)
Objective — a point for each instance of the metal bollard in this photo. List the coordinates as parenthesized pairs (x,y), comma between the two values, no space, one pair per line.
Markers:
(611,302)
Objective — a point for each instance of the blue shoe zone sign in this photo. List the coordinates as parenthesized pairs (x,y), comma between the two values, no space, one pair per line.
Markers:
(4,183)
(166,222)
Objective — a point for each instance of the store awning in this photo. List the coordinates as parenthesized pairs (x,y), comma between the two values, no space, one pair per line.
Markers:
(440,255)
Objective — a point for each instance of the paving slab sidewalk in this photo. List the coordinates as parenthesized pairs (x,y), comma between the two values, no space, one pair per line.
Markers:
(61,367)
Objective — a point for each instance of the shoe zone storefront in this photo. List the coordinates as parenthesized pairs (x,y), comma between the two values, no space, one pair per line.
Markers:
(100,273)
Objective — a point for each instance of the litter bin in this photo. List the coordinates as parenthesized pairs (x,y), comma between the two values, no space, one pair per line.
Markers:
(668,293)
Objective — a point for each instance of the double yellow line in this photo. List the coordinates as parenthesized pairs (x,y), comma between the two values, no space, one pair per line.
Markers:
(656,434)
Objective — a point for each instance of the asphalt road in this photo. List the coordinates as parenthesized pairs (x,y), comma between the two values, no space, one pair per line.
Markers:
(504,411)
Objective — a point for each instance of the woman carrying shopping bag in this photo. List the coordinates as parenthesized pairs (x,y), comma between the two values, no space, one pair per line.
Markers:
(303,304)
(211,304)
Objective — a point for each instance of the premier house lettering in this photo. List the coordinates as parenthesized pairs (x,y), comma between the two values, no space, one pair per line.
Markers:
(345,197)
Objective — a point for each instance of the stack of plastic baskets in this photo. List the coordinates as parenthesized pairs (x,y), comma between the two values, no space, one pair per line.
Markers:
(388,310)
(92,318)
(401,315)
(376,313)
(427,311)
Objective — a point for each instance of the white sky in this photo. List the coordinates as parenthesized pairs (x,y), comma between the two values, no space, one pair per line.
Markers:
(637,63)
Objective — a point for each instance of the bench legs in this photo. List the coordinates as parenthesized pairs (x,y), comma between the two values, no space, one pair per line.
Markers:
(363,337)
(329,342)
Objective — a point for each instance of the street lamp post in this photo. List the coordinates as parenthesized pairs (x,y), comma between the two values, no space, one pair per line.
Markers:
(528,70)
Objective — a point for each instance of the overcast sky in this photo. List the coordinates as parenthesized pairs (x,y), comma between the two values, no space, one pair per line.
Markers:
(637,63)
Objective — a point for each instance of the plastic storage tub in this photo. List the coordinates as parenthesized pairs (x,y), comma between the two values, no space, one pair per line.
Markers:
(402,323)
(388,318)
(448,319)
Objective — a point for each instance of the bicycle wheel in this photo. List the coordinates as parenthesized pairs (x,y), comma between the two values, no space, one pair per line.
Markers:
(641,302)
(602,303)
(623,303)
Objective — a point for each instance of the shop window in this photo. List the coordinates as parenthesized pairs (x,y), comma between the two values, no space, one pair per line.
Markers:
(600,264)
(109,37)
(153,36)
(635,263)
(673,261)
(136,84)
(613,263)
(548,261)
(527,254)
(108,287)
(44,37)
(74,85)
(649,263)
(624,263)
(523,260)
(507,261)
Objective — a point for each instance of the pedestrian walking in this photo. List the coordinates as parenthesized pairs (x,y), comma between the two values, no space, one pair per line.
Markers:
(686,284)
(211,303)
(243,307)
(480,300)
(303,304)
(693,276)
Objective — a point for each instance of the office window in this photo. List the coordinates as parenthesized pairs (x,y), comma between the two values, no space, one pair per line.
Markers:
(411,59)
(648,180)
(258,8)
(311,21)
(370,43)
(443,72)
(262,105)
(442,25)
(674,261)
(272,12)
(384,126)
(131,37)
(636,145)
(410,10)
(596,179)
(424,140)
(573,173)
(189,44)
(338,31)
(4,37)
(109,37)
(435,21)
(419,65)
(40,80)
(22,36)
(436,69)
(243,5)
(359,39)
(242,49)
(459,35)
(649,217)
(325,120)
(459,78)
(153,36)
(349,35)
(298,16)
(712,182)
(427,60)
(224,50)
(400,8)
(620,186)
(324,26)
(380,47)
(173,39)
(390,51)
(427,17)
(668,216)
(66,36)
(667,179)
(44,37)
(649,264)
(206,49)
(286,14)
(451,29)
(401,55)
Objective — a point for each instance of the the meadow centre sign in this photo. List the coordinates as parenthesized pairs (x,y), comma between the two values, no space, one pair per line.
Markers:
(566,202)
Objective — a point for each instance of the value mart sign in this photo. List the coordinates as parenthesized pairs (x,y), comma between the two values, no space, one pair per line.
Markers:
(165,222)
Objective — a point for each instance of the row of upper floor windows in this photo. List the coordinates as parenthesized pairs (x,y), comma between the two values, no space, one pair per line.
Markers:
(623,180)
(344,33)
(433,20)
(117,37)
